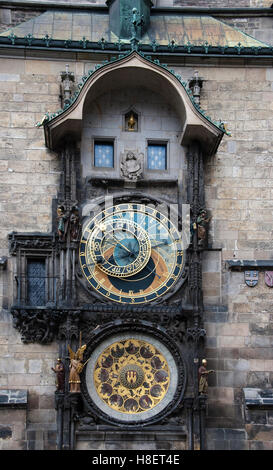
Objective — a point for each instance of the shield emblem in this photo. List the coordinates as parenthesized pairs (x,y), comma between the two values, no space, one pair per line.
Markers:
(131,377)
(268,277)
(251,278)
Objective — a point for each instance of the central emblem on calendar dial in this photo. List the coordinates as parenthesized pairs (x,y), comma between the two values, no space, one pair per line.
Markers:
(131,253)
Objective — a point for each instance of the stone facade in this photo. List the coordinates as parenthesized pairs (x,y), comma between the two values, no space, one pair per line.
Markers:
(238,190)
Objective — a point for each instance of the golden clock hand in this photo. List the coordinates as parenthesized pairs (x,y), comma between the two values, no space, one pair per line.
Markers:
(152,271)
(114,238)
(161,244)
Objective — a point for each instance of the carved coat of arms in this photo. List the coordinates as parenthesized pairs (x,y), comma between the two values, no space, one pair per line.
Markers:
(251,278)
(131,377)
(131,165)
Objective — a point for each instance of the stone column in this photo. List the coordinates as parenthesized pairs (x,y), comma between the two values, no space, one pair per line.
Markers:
(195,331)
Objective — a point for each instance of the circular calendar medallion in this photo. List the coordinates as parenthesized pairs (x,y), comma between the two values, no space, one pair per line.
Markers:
(131,377)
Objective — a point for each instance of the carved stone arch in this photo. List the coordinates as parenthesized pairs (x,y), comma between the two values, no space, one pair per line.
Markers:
(135,70)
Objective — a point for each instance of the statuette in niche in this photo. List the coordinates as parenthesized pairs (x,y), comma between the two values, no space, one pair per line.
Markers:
(131,121)
(131,165)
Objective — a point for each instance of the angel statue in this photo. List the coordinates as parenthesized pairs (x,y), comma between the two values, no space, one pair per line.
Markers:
(75,367)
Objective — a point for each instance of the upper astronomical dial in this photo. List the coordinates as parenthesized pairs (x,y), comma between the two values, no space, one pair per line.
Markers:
(131,253)
(120,247)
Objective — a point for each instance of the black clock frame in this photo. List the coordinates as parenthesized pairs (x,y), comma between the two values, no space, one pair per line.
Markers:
(135,198)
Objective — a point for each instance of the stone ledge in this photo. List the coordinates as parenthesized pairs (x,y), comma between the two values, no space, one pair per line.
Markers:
(130,436)
(245,263)
(258,398)
(13,398)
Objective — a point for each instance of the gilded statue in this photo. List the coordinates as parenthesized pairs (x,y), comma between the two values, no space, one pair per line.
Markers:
(132,123)
(75,368)
(203,377)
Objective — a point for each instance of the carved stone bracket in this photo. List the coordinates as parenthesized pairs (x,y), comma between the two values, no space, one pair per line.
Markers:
(195,334)
(38,325)
(43,325)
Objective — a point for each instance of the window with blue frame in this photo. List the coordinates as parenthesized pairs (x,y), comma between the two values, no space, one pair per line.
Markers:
(157,156)
(103,154)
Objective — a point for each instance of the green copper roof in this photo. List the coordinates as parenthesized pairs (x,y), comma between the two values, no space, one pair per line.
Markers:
(50,116)
(163,29)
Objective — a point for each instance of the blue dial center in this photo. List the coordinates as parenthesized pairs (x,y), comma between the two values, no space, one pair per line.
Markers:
(126,252)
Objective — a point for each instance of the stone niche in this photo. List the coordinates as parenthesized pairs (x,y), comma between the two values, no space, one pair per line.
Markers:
(104,120)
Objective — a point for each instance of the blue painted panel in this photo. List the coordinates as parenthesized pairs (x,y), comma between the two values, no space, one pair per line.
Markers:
(104,155)
(157,157)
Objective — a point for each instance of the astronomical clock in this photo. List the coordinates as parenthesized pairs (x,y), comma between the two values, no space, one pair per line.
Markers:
(119,285)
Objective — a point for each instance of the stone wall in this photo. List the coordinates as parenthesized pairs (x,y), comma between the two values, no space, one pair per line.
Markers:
(238,190)
(257,27)
(29,177)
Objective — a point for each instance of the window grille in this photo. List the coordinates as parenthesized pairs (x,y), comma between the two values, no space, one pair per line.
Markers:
(36,282)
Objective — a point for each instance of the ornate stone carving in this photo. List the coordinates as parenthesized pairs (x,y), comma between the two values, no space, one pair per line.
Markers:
(195,334)
(131,165)
(36,326)
(30,242)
